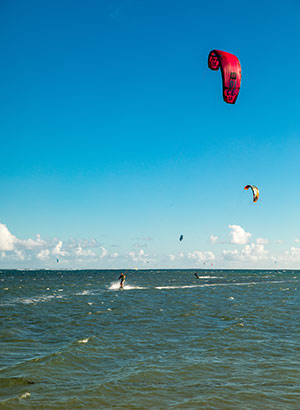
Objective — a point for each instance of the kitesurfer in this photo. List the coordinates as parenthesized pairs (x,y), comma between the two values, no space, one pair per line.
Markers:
(122,280)
(197,276)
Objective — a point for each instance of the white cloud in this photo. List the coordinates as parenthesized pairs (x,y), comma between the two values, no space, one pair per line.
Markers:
(185,259)
(292,255)
(21,255)
(238,235)
(7,240)
(262,241)
(43,254)
(138,257)
(14,250)
(83,252)
(104,252)
(37,252)
(201,256)
(30,243)
(231,255)
(253,252)
(213,238)
(57,250)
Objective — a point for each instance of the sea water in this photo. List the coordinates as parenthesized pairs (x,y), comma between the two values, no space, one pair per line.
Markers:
(74,340)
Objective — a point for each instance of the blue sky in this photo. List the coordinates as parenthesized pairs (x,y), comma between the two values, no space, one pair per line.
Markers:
(115,138)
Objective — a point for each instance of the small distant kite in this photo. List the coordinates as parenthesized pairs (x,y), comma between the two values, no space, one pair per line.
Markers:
(255,191)
(57,260)
(180,238)
(231,73)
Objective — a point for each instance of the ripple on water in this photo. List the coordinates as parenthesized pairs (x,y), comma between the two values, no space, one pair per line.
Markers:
(230,340)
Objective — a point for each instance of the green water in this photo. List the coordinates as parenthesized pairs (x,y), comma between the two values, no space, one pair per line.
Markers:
(73,340)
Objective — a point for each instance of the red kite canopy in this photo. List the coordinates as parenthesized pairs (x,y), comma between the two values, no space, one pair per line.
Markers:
(255,191)
(231,73)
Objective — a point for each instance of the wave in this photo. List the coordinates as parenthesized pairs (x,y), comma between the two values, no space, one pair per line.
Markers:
(7,382)
(116,286)
(85,292)
(65,352)
(32,300)
(35,300)
(181,287)
(84,340)
(220,284)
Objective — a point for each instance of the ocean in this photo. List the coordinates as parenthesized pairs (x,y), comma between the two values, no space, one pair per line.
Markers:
(73,340)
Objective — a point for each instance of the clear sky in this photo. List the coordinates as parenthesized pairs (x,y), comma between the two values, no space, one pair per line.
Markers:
(115,138)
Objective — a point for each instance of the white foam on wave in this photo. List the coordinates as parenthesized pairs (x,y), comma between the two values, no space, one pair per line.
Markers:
(25,395)
(38,299)
(129,287)
(84,340)
(84,293)
(180,287)
(116,286)
(205,285)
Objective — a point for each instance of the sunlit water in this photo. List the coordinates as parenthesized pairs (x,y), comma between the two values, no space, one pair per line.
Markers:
(74,340)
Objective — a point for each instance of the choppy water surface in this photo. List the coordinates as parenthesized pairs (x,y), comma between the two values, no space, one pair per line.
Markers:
(73,340)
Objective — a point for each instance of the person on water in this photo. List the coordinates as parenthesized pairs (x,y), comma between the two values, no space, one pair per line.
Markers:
(122,280)
(197,276)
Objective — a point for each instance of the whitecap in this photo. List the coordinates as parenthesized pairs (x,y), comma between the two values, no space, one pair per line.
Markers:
(29,301)
(180,287)
(25,395)
(84,340)
(84,293)
(116,286)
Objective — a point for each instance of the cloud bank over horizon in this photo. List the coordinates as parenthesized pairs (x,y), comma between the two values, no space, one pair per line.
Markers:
(78,253)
